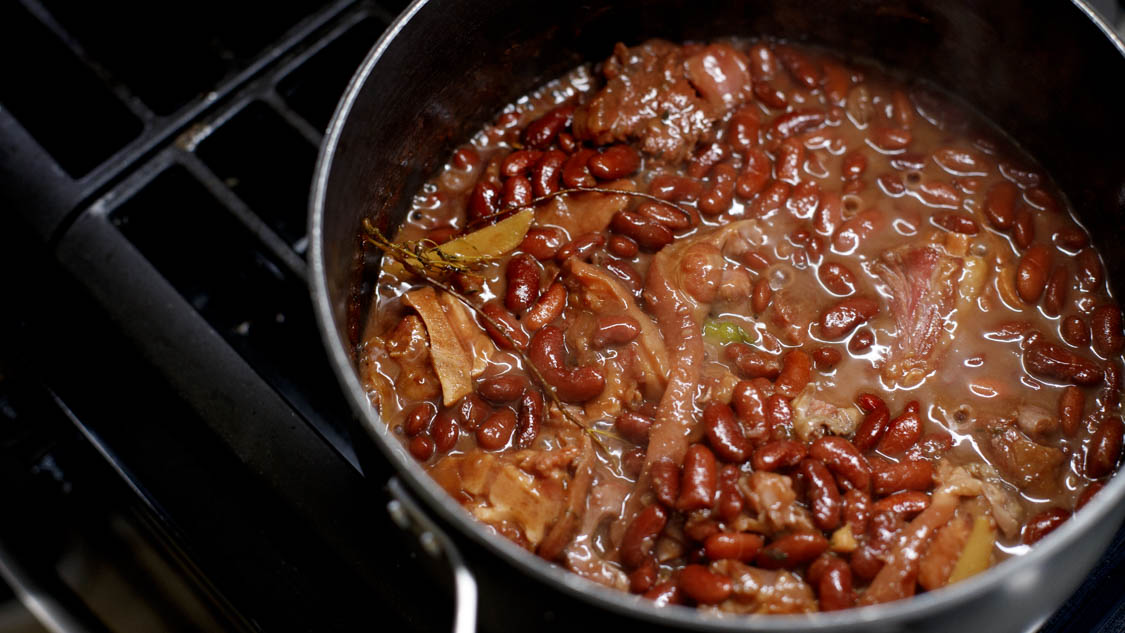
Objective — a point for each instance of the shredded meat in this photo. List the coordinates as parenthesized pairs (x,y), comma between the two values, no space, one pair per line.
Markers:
(764,591)
(585,213)
(922,290)
(813,417)
(1026,463)
(653,95)
(772,497)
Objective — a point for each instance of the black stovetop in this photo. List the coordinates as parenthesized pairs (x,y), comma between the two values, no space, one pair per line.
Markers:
(169,424)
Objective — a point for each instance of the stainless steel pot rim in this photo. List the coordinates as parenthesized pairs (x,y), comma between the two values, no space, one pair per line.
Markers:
(1022,569)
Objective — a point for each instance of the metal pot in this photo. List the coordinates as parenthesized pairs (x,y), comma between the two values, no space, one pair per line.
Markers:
(1051,73)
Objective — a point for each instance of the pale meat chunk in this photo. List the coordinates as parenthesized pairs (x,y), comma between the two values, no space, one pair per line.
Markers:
(764,591)
(813,417)
(772,498)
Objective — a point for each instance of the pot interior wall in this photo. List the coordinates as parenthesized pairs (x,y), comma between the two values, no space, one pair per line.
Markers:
(1042,70)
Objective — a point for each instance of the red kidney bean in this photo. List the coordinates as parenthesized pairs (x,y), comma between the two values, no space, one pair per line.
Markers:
(1043,524)
(703,585)
(769,95)
(1040,199)
(1031,274)
(890,139)
(543,243)
(1048,360)
(891,184)
(1071,405)
(939,194)
(724,433)
(843,459)
(902,433)
(1089,271)
(717,197)
(855,163)
(566,142)
(583,247)
(530,418)
(751,362)
(779,416)
(674,187)
(797,122)
(837,278)
(626,273)
(1023,230)
(761,296)
(871,430)
(756,260)
(804,203)
(622,246)
(906,503)
(640,536)
(749,403)
(742,131)
(540,132)
(908,162)
(1109,396)
(1072,238)
(616,162)
(633,462)
(502,389)
(956,222)
(891,477)
(468,284)
(421,447)
(999,205)
(825,358)
(509,325)
(1105,324)
(472,410)
(707,156)
(699,480)
(634,426)
(804,71)
(496,432)
(664,214)
(796,370)
(778,454)
(861,341)
(771,199)
(548,352)
(824,497)
(465,158)
(792,550)
(419,418)
(575,173)
(548,308)
(844,315)
(763,63)
(857,511)
(523,283)
(741,546)
(518,162)
(665,482)
(517,193)
(1054,295)
(755,173)
(856,229)
(1104,448)
(614,330)
(546,173)
(484,201)
(1088,494)
(644,577)
(648,234)
(1074,331)
(834,586)
(730,501)
(960,161)
(790,157)
(664,594)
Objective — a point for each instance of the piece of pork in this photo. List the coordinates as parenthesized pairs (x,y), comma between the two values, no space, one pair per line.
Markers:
(774,501)
(922,290)
(764,591)
(656,94)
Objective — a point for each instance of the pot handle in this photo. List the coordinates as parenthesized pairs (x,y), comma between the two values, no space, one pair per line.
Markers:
(408,515)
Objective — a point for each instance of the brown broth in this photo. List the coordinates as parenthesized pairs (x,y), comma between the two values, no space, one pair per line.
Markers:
(975,380)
